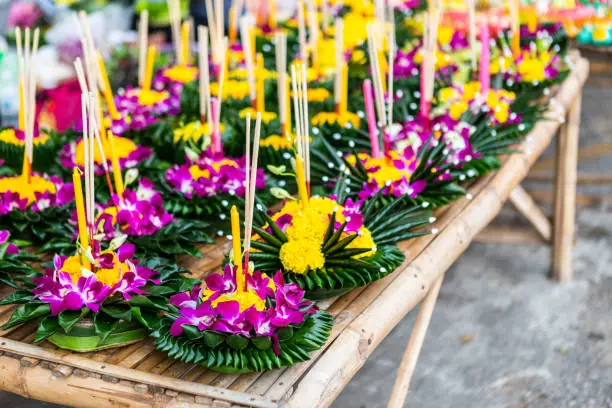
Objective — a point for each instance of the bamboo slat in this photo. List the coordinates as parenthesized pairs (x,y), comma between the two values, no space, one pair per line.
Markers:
(139,376)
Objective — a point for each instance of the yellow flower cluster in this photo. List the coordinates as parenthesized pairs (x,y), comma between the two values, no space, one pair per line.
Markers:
(276,142)
(497,99)
(20,185)
(442,59)
(386,169)
(531,69)
(330,118)
(197,172)
(123,148)
(8,136)
(317,94)
(194,131)
(303,251)
(72,265)
(266,117)
(231,89)
(181,73)
(150,97)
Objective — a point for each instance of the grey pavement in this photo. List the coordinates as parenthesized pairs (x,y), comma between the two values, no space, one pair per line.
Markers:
(502,334)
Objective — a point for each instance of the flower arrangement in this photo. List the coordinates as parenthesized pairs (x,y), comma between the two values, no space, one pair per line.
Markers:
(262,326)
(96,298)
(129,154)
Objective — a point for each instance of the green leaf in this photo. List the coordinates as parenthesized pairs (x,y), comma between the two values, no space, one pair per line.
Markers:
(212,339)
(119,312)
(237,342)
(68,318)
(27,312)
(285,334)
(47,327)
(104,325)
(19,296)
(262,343)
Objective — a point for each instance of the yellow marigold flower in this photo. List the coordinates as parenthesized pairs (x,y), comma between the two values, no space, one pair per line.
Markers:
(387,171)
(501,112)
(364,240)
(194,131)
(330,118)
(531,70)
(150,97)
(317,94)
(358,56)
(470,90)
(447,94)
(355,31)
(231,89)
(457,109)
(300,256)
(123,148)
(242,74)
(182,73)
(276,142)
(19,184)
(8,135)
(197,172)
(266,117)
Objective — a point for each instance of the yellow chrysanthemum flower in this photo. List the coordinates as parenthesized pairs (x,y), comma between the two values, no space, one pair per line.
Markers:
(197,172)
(386,169)
(150,97)
(300,256)
(123,148)
(245,300)
(457,109)
(330,118)
(364,240)
(8,135)
(531,69)
(276,142)
(20,185)
(317,94)
(231,89)
(194,131)
(182,73)
(266,117)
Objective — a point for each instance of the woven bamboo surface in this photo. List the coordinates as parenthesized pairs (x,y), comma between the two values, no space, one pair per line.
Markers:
(139,376)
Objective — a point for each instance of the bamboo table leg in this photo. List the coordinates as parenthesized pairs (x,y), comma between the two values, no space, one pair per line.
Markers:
(413,349)
(565,194)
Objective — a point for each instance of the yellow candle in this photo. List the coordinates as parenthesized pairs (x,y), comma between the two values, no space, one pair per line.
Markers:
(288,106)
(382,63)
(146,83)
(342,107)
(260,88)
(116,168)
(233,24)
(80,207)
(253,43)
(184,59)
(108,92)
(301,180)
(21,111)
(272,15)
(26,169)
(237,248)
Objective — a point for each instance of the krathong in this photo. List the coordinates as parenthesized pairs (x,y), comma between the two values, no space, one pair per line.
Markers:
(328,245)
(33,206)
(242,320)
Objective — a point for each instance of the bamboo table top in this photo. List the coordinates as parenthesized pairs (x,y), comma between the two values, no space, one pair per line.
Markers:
(139,376)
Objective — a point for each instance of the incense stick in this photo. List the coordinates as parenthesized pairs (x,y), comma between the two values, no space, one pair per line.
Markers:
(306,128)
(205,107)
(245,35)
(281,70)
(222,78)
(375,67)
(247,184)
(391,73)
(302,32)
(252,182)
(339,48)
(143,34)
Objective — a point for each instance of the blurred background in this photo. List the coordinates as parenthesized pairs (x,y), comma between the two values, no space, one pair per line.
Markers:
(502,334)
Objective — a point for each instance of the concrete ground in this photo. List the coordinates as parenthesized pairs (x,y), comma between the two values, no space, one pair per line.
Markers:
(502,334)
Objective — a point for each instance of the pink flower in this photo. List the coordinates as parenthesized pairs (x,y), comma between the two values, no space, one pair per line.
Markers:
(201,317)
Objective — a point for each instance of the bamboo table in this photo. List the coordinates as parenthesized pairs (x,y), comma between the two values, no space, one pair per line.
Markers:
(139,376)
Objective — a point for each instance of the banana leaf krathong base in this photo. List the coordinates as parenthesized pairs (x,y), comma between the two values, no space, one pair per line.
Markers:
(233,354)
(343,269)
(83,337)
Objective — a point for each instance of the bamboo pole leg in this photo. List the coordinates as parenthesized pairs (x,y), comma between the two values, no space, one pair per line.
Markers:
(413,349)
(565,195)
(527,206)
